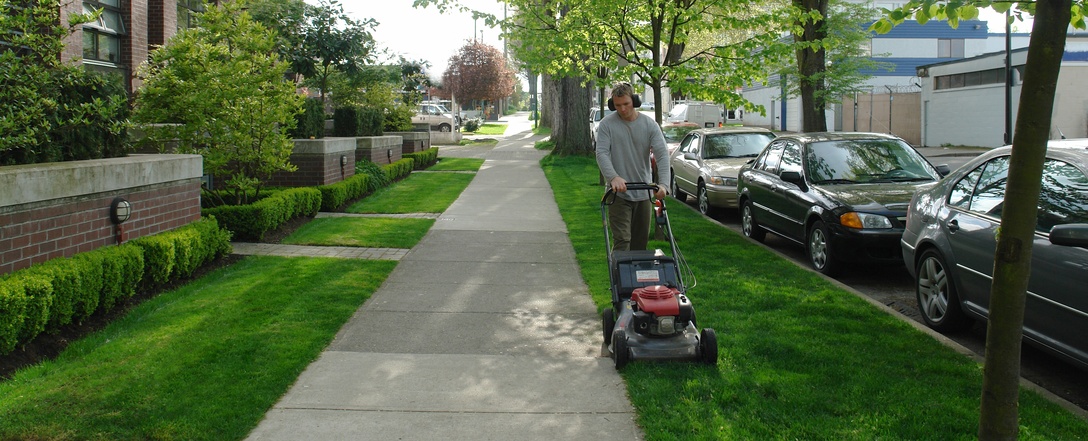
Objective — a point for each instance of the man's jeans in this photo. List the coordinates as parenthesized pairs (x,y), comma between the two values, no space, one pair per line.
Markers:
(630,224)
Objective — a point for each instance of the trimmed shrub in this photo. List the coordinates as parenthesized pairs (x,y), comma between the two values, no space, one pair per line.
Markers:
(376,175)
(122,271)
(472,125)
(310,124)
(424,159)
(370,122)
(39,296)
(334,196)
(159,258)
(12,314)
(252,221)
(399,170)
(347,121)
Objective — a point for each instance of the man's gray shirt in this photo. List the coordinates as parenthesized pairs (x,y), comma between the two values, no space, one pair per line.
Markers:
(623,149)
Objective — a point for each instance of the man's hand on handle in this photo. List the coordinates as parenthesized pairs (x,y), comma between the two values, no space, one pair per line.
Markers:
(619,185)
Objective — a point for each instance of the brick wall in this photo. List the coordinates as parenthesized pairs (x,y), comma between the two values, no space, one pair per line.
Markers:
(135,44)
(379,149)
(59,209)
(316,169)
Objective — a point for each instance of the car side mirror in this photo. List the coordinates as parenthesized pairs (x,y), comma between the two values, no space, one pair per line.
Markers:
(943,170)
(690,156)
(793,177)
(1070,235)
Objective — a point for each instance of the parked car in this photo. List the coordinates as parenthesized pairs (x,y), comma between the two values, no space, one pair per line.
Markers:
(951,235)
(707,162)
(595,116)
(675,132)
(436,117)
(843,195)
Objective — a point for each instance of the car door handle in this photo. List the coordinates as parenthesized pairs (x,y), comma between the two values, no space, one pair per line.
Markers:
(953,226)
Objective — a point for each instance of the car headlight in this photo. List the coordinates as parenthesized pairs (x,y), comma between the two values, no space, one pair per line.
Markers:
(722,180)
(864,220)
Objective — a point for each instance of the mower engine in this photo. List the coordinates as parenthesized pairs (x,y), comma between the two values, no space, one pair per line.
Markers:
(660,310)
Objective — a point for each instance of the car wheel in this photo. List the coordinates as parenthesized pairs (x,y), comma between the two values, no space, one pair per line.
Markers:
(608,324)
(444,128)
(708,346)
(676,191)
(936,293)
(703,200)
(621,354)
(819,250)
(748,223)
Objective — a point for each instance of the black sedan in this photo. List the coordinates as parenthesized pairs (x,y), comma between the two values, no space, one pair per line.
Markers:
(843,195)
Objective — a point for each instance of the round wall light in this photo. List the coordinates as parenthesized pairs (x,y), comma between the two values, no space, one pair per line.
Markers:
(120,210)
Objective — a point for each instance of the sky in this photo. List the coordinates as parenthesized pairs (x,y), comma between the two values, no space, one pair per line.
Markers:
(424,33)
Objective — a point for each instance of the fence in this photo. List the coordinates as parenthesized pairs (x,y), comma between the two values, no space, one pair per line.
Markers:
(899,114)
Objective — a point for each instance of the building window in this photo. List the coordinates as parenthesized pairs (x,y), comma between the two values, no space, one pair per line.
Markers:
(102,37)
(979,78)
(188,12)
(950,48)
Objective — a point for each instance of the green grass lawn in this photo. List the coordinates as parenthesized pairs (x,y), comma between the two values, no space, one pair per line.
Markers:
(491,129)
(204,362)
(457,164)
(361,232)
(418,193)
(799,357)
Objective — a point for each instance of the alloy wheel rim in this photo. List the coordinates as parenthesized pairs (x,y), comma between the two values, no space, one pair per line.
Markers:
(933,289)
(818,248)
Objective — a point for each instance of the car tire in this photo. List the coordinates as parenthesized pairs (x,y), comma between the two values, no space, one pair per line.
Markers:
(444,128)
(820,253)
(621,354)
(935,291)
(702,201)
(608,324)
(676,191)
(748,224)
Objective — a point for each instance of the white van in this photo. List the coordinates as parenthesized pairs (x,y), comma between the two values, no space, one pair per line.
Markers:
(707,115)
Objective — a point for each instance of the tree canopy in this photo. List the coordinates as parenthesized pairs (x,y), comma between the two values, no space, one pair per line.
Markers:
(478,72)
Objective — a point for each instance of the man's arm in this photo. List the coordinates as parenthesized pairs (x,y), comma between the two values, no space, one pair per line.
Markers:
(661,155)
(604,158)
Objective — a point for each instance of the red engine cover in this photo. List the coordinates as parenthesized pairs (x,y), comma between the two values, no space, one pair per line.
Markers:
(658,300)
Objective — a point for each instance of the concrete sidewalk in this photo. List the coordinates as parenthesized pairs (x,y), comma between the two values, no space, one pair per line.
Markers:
(484,331)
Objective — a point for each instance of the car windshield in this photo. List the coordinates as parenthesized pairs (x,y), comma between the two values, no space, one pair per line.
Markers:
(676,133)
(736,145)
(865,161)
(597,115)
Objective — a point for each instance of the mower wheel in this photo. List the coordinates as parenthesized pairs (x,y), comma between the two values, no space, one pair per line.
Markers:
(620,353)
(708,346)
(608,323)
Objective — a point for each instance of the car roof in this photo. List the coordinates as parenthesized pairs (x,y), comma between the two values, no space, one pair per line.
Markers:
(811,137)
(1073,151)
(733,129)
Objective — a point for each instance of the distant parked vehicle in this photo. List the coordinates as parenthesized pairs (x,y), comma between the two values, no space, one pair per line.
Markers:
(843,195)
(436,117)
(951,235)
(706,115)
(707,162)
(595,116)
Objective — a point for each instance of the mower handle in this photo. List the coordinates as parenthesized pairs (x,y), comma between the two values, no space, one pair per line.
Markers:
(610,194)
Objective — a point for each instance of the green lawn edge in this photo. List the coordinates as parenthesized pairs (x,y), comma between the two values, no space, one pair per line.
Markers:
(799,357)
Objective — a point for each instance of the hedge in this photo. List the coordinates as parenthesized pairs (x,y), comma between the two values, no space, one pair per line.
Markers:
(334,196)
(424,159)
(252,221)
(48,296)
(400,169)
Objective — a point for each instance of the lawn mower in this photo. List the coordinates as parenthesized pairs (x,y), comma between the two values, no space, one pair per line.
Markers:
(651,317)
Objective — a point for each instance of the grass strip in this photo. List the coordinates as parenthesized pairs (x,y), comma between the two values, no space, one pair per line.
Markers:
(457,164)
(418,193)
(799,357)
(203,362)
(491,129)
(361,232)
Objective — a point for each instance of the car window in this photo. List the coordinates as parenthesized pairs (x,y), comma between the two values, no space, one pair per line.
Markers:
(791,158)
(865,161)
(961,192)
(695,144)
(686,143)
(735,145)
(771,157)
(990,191)
(1063,198)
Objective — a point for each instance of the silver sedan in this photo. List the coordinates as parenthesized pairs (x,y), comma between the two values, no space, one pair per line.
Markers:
(707,162)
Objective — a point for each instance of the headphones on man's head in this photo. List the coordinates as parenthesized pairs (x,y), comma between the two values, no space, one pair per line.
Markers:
(635,100)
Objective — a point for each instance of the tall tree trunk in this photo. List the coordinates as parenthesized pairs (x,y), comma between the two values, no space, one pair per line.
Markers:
(999,414)
(571,133)
(547,101)
(811,64)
